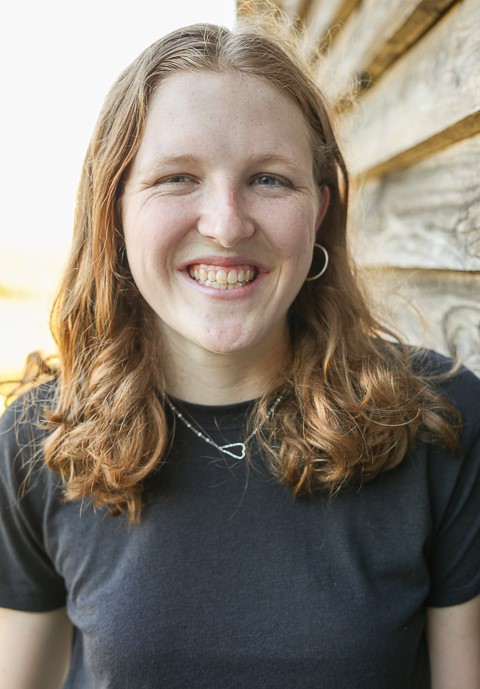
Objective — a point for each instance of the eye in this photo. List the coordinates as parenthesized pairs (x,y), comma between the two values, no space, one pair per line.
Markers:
(176,184)
(269,180)
(175,179)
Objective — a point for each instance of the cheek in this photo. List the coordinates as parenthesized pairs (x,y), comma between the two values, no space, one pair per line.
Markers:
(149,232)
(295,234)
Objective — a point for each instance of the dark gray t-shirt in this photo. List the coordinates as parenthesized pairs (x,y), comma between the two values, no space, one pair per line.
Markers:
(229,583)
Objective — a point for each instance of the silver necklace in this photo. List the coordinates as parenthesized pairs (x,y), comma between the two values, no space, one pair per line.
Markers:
(235,450)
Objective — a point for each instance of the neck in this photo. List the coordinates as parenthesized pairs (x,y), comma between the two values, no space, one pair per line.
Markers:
(203,377)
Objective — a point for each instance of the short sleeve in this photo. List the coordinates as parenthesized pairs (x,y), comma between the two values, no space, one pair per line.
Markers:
(28,580)
(454,559)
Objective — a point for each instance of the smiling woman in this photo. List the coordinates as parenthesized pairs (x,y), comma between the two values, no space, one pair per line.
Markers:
(241,200)
(235,476)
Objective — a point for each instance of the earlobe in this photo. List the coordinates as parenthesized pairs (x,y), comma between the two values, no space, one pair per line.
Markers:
(324,204)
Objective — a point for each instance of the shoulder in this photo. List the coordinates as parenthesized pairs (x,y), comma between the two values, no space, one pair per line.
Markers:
(30,495)
(23,429)
(458,385)
(28,410)
(448,484)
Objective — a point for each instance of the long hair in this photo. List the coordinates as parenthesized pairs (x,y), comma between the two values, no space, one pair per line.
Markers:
(353,403)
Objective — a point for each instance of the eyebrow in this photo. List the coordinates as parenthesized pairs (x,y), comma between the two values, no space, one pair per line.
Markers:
(152,167)
(282,158)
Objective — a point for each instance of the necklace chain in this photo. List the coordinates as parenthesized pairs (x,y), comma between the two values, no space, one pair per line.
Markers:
(235,450)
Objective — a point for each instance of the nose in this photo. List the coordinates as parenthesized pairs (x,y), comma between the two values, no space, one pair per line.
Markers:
(224,217)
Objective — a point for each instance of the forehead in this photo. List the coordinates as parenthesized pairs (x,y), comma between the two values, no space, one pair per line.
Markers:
(223,109)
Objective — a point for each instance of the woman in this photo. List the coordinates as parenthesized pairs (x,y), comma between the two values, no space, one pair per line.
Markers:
(234,478)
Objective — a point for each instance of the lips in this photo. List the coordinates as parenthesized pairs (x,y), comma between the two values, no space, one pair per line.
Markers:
(222,277)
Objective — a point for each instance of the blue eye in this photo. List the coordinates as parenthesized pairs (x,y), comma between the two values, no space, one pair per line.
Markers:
(268,180)
(176,179)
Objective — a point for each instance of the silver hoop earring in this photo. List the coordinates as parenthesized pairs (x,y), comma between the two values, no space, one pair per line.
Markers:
(318,275)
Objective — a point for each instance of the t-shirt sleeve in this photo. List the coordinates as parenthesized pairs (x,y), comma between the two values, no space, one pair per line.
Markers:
(28,580)
(454,558)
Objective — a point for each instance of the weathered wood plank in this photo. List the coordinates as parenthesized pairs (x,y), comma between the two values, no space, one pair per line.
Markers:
(289,7)
(425,15)
(427,216)
(345,10)
(295,9)
(431,94)
(304,8)
(449,304)
(322,22)
(458,131)
(374,37)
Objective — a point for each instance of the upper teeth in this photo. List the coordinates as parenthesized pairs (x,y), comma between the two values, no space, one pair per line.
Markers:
(222,278)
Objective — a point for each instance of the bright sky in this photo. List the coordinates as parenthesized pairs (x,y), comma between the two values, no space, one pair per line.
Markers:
(58,61)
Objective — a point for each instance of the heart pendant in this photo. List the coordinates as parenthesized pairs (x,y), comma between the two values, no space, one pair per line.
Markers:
(242,450)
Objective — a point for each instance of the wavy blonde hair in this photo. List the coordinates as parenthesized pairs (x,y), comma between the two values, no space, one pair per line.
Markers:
(353,403)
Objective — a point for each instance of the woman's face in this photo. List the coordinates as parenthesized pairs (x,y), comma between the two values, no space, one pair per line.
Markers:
(220,212)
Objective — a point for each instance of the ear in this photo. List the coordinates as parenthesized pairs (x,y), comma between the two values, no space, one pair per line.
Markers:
(324,203)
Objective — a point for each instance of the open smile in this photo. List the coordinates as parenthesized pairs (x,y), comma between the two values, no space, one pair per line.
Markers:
(233,277)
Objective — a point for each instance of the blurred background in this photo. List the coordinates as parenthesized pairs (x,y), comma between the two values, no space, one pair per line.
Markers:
(58,61)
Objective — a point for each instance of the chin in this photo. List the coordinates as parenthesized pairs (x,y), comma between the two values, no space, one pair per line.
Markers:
(227,345)
(224,347)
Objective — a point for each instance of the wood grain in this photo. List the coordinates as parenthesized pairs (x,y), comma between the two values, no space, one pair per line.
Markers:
(426,216)
(435,309)
(290,7)
(406,33)
(375,35)
(468,127)
(430,95)
(323,21)
(295,9)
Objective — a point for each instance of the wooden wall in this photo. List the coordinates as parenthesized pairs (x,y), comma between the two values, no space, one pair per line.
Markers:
(404,79)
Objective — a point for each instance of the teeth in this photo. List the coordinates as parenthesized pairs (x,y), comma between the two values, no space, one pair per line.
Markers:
(234,278)
(221,277)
